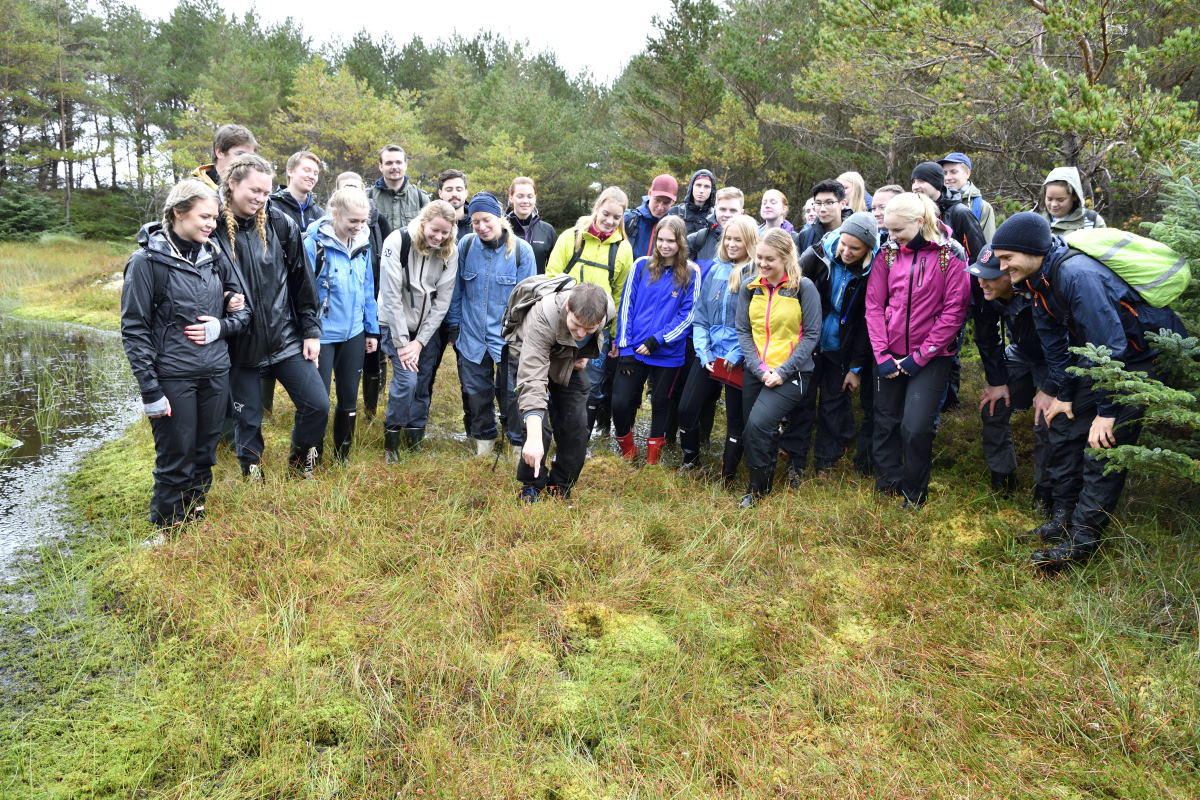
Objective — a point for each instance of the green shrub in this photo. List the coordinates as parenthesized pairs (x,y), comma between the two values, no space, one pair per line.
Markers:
(25,213)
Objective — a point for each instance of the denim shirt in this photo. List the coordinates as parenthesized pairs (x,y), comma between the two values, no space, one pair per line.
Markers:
(486,277)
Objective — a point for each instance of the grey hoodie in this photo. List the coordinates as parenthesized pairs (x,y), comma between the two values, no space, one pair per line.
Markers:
(987,215)
(1080,216)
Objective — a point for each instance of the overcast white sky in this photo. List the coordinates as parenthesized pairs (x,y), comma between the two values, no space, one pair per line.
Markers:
(581,40)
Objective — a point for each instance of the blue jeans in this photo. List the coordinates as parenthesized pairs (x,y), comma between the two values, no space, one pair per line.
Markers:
(410,393)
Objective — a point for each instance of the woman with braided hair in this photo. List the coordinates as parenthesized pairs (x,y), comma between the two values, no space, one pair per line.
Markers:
(180,301)
(283,339)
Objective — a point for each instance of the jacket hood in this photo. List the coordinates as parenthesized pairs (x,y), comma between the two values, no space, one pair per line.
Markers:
(322,230)
(152,237)
(970,191)
(712,196)
(1071,176)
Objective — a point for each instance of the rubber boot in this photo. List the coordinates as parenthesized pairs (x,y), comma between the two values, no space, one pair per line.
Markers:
(266,394)
(303,461)
(413,437)
(730,460)
(628,446)
(599,418)
(759,484)
(343,433)
(1004,483)
(391,445)
(484,447)
(1054,530)
(654,446)
(370,385)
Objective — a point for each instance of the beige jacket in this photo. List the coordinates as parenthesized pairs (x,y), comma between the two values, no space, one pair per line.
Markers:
(546,352)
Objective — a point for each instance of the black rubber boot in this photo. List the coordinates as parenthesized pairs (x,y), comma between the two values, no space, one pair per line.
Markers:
(1054,530)
(303,461)
(730,458)
(759,484)
(1079,544)
(343,433)
(370,385)
(1004,483)
(391,445)
(599,419)
(266,393)
(413,437)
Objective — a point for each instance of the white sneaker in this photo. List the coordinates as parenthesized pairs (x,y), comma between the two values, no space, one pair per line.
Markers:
(484,447)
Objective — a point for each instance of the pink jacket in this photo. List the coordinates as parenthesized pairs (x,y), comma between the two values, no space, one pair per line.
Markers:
(917,303)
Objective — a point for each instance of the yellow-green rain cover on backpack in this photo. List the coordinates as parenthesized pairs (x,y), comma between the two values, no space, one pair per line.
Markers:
(1152,269)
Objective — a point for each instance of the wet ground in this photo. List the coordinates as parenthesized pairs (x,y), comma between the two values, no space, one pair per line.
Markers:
(64,390)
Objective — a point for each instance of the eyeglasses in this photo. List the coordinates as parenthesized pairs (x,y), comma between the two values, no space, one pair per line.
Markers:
(825,203)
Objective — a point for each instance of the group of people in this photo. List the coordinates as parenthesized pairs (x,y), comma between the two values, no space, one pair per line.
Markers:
(556,335)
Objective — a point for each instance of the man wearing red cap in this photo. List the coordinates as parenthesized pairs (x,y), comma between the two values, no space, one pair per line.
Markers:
(640,222)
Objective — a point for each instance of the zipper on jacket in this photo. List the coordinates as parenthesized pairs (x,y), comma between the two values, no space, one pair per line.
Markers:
(767,322)
(908,315)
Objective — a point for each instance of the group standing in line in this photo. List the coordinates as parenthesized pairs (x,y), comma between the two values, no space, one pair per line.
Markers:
(557,334)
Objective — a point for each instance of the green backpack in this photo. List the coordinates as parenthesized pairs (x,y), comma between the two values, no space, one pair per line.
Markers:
(1153,270)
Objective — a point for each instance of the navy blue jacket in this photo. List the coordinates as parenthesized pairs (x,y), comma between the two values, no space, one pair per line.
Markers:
(1078,301)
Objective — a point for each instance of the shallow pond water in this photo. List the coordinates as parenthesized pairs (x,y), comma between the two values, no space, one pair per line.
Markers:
(64,390)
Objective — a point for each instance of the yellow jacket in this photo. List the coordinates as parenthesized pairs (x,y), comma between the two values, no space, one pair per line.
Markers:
(592,265)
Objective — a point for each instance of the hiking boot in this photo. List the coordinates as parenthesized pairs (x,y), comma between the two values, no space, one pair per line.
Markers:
(795,477)
(528,494)
(654,446)
(303,461)
(1004,484)
(557,492)
(1053,530)
(252,472)
(690,463)
(628,446)
(759,484)
(1078,545)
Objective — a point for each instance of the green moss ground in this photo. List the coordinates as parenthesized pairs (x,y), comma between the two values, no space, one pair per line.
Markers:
(410,631)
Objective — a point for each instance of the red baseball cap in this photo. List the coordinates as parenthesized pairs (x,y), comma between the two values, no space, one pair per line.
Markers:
(665,186)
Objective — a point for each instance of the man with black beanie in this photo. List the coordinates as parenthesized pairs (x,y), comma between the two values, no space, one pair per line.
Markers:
(1079,301)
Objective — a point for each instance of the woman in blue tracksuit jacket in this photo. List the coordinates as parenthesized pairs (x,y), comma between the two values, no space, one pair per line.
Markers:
(652,328)
(714,336)
(338,248)
(491,261)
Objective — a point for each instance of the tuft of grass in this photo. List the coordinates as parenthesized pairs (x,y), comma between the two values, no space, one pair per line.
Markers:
(413,631)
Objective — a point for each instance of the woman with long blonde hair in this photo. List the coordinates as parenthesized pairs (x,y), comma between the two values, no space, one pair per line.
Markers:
(917,297)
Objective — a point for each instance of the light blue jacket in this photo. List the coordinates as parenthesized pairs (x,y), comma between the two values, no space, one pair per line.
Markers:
(714,321)
(345,284)
(486,277)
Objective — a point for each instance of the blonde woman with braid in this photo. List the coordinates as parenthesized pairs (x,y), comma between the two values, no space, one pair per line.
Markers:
(180,301)
(283,340)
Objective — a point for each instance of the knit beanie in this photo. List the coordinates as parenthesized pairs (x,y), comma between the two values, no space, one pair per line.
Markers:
(862,227)
(484,201)
(932,173)
(1026,232)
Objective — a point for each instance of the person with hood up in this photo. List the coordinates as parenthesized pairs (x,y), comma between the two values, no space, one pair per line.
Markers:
(641,221)
(1079,301)
(917,297)
(697,206)
(398,198)
(714,337)
(338,248)
(957,169)
(418,277)
(374,364)
(597,251)
(296,199)
(652,328)
(283,337)
(491,262)
(527,223)
(180,301)
(839,266)
(1062,204)
(778,321)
